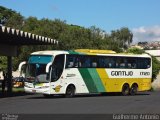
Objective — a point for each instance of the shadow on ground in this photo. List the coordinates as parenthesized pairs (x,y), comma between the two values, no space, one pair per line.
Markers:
(85,95)
(13,94)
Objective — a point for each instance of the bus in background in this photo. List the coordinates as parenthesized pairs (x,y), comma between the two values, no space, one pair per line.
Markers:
(85,71)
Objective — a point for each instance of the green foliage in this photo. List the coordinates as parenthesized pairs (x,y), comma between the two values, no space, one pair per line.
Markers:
(122,38)
(15,21)
(69,36)
(5,14)
(10,18)
(3,63)
(135,51)
(155,67)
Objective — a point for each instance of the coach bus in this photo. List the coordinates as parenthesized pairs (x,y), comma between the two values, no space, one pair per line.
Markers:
(84,71)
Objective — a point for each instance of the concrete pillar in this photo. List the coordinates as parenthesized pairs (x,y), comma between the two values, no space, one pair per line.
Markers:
(9,75)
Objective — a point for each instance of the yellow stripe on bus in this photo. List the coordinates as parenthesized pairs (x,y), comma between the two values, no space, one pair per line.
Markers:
(115,84)
(103,76)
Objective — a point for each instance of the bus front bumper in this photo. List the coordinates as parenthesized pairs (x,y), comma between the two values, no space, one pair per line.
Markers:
(37,90)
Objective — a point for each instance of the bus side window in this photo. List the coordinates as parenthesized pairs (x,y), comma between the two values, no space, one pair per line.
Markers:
(94,61)
(70,65)
(131,63)
(103,62)
(144,63)
(94,64)
(147,63)
(80,61)
(85,61)
(112,62)
(77,62)
(71,61)
(67,61)
(88,62)
(118,62)
(109,65)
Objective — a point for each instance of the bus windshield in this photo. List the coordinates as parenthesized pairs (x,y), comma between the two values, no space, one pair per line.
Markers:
(36,68)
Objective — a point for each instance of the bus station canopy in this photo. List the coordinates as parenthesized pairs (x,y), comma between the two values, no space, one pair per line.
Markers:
(11,39)
(12,36)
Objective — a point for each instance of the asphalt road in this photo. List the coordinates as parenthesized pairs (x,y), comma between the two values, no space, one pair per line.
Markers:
(148,102)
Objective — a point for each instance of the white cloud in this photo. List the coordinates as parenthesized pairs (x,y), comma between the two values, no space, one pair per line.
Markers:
(148,34)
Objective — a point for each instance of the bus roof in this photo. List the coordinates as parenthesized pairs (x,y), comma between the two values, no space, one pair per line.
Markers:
(49,52)
(95,51)
(105,53)
(88,52)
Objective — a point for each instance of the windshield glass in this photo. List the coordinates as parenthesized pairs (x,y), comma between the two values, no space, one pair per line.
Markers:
(41,59)
(36,68)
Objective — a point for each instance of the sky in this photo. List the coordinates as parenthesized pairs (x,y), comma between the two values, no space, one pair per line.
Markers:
(140,16)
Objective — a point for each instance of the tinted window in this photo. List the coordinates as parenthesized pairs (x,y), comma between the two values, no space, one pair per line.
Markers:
(43,59)
(92,61)
(57,67)
(144,63)
(72,61)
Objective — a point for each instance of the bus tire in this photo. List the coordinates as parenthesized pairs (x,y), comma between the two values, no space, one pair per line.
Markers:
(125,90)
(70,91)
(134,89)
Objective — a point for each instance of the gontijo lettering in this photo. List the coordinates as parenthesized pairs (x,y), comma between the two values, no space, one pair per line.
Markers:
(122,73)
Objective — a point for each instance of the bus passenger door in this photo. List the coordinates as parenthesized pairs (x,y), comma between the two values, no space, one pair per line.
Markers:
(56,73)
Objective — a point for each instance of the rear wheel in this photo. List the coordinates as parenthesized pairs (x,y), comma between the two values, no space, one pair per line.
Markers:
(125,90)
(70,91)
(134,89)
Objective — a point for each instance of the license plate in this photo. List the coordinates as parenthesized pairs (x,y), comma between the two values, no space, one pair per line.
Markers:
(34,91)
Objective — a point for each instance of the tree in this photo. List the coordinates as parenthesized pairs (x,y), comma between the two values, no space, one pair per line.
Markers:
(135,51)
(69,36)
(3,63)
(122,38)
(126,37)
(10,18)
(155,67)
(5,14)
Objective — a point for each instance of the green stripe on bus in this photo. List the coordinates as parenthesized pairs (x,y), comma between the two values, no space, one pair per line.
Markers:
(73,52)
(97,80)
(88,80)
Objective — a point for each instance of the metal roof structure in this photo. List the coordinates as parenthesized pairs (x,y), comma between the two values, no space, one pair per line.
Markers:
(11,39)
(12,36)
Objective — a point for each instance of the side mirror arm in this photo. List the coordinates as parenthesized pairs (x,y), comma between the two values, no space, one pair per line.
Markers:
(47,67)
(20,67)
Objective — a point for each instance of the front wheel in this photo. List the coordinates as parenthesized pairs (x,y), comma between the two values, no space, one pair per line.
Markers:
(70,92)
